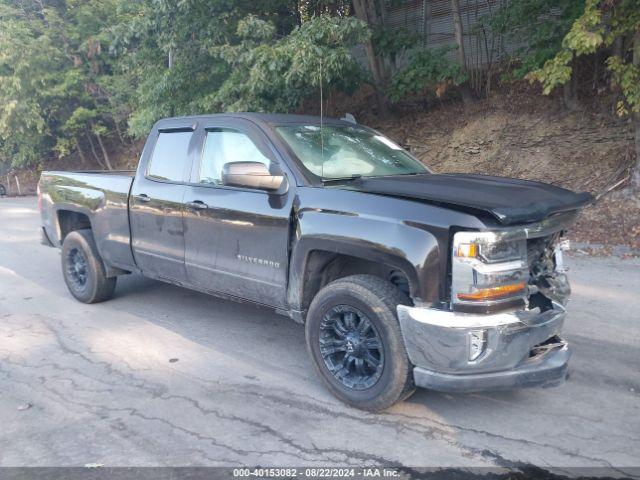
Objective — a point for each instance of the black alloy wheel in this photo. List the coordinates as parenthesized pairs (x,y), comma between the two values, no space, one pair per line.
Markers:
(351,347)
(77,269)
(355,342)
(83,269)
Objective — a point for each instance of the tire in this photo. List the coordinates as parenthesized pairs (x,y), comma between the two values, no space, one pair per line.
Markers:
(83,270)
(340,306)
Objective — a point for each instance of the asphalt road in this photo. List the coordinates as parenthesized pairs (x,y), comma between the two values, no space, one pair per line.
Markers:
(164,376)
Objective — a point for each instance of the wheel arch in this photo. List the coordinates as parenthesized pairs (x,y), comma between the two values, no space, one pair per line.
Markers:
(316,262)
(70,219)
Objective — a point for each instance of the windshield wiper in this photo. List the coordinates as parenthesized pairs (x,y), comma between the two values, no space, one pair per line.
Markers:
(341,179)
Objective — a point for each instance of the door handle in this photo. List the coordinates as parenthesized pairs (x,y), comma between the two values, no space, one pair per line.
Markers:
(197,205)
(143,197)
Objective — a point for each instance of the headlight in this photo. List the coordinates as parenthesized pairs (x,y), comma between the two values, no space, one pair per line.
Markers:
(488,268)
(490,247)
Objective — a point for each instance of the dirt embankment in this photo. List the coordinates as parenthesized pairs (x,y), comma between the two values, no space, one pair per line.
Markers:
(122,157)
(530,137)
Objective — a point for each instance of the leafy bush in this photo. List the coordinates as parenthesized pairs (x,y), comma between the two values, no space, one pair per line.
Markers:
(391,43)
(429,71)
(162,50)
(276,74)
(599,25)
(536,26)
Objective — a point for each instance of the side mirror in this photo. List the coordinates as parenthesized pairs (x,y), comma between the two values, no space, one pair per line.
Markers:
(252,175)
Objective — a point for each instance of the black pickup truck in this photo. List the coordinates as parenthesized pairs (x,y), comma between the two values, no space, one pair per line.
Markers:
(402,277)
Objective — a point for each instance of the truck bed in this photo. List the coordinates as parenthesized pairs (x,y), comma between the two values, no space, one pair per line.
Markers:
(98,197)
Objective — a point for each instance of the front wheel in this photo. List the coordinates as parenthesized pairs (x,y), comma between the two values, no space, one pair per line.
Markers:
(83,269)
(354,339)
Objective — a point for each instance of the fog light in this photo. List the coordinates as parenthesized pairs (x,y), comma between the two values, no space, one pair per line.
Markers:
(477,343)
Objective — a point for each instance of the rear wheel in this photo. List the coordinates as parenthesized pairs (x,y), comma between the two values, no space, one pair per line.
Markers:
(83,269)
(354,339)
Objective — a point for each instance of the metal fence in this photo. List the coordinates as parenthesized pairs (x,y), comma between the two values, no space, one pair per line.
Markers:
(432,22)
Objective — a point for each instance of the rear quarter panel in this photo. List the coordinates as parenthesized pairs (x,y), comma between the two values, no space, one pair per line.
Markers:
(103,198)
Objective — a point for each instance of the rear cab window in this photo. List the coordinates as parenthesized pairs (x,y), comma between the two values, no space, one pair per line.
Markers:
(170,156)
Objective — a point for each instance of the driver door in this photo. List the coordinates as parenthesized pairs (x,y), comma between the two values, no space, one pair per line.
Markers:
(236,239)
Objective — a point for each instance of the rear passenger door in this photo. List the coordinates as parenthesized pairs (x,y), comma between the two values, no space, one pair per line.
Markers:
(236,239)
(156,205)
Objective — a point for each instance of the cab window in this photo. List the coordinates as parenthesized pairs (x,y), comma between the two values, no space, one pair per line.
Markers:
(170,156)
(224,146)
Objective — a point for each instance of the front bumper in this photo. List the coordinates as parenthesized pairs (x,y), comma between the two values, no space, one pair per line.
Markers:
(519,349)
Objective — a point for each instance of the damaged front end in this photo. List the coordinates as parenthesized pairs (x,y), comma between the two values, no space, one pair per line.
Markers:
(501,330)
(548,281)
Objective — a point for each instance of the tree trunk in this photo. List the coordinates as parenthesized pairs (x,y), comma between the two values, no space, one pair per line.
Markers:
(617,46)
(365,10)
(457,28)
(79,149)
(569,89)
(119,132)
(459,34)
(104,152)
(635,172)
(381,18)
(93,149)
(382,12)
(568,98)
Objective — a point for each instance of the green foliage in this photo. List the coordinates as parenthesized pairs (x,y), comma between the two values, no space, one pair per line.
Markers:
(307,9)
(627,77)
(51,65)
(556,71)
(275,74)
(601,23)
(99,70)
(162,51)
(587,32)
(390,43)
(74,69)
(538,26)
(27,78)
(430,71)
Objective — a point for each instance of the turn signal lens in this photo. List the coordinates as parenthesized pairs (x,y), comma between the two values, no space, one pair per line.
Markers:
(468,250)
(493,293)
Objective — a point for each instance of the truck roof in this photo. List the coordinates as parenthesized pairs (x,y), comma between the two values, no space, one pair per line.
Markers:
(259,118)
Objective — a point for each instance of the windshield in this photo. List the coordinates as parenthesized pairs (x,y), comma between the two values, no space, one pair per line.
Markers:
(345,151)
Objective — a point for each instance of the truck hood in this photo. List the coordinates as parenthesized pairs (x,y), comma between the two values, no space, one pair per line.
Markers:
(509,200)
